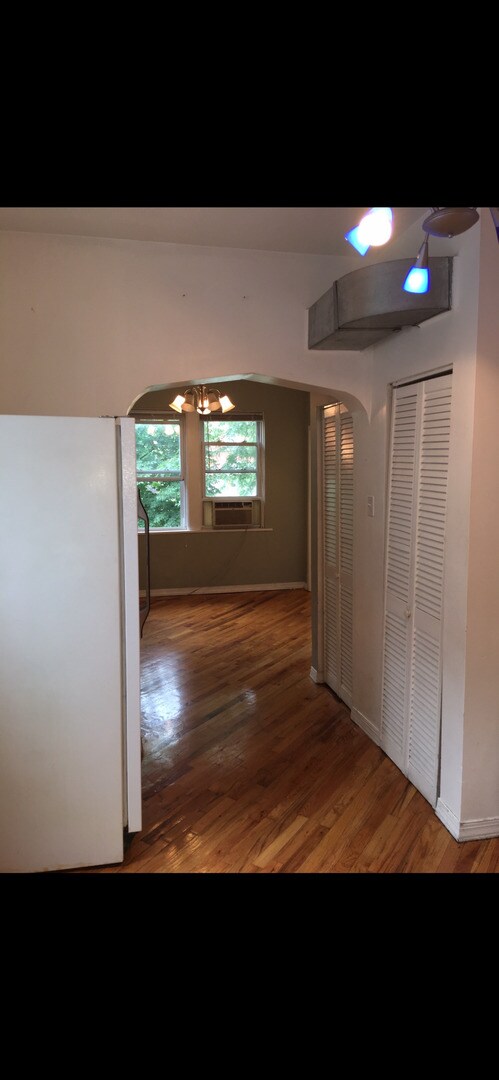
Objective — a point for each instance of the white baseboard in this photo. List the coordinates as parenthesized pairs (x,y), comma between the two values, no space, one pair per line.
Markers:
(316,676)
(190,590)
(477,829)
(366,725)
(448,818)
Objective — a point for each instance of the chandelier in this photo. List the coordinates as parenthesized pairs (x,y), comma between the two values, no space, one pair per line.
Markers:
(202,400)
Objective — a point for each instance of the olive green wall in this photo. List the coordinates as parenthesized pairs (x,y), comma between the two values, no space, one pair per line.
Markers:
(249,557)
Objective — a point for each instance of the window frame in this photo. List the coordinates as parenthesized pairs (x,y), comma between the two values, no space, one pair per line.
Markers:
(260,455)
(179,477)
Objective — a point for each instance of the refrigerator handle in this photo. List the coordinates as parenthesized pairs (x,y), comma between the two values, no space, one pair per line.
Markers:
(144,602)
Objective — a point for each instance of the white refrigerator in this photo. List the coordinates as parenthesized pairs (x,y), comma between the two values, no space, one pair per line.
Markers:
(70,761)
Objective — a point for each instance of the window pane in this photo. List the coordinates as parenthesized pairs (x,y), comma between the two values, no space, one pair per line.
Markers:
(226,458)
(158,448)
(230,484)
(161,499)
(230,430)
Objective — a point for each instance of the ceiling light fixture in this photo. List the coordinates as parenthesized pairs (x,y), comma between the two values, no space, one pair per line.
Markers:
(450,221)
(444,221)
(418,278)
(374,230)
(201,399)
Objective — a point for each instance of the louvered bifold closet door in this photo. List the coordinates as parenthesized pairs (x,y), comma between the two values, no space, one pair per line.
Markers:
(331,554)
(423,749)
(399,572)
(346,555)
(411,701)
(338,550)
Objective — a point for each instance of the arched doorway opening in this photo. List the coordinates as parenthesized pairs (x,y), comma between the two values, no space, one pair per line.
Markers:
(193,560)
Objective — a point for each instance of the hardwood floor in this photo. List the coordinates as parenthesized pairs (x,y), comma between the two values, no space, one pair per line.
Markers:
(250,768)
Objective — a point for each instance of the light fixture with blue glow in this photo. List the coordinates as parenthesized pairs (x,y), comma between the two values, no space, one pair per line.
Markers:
(418,278)
(354,239)
(374,230)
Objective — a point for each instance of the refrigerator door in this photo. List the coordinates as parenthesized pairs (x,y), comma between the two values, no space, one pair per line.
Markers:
(132,625)
(61,631)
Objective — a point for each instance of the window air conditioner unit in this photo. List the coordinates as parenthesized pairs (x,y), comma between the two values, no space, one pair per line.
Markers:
(232,513)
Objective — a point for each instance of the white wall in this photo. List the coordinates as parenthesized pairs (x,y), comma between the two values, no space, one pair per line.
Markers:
(86,325)
(480,794)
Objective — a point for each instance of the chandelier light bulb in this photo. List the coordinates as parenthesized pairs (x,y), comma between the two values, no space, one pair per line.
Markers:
(202,400)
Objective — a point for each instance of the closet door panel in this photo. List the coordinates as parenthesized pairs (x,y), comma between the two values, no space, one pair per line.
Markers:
(401,494)
(338,551)
(423,751)
(331,556)
(399,571)
(419,459)
(346,554)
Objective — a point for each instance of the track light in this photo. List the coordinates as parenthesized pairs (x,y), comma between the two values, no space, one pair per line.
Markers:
(374,230)
(418,278)
(202,400)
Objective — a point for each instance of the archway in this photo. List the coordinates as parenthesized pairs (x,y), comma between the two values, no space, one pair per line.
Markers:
(283,555)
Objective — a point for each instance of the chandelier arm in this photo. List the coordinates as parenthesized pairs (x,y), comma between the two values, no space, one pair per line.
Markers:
(202,399)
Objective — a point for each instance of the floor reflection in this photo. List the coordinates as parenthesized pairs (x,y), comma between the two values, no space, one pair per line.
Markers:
(161,716)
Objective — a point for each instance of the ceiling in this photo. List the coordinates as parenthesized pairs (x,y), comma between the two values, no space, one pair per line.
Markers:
(316,230)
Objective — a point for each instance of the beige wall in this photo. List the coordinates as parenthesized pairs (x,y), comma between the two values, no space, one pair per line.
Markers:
(480,791)
(251,557)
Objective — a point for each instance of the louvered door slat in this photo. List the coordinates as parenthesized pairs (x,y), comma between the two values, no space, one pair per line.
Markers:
(331,645)
(394,687)
(346,615)
(424,717)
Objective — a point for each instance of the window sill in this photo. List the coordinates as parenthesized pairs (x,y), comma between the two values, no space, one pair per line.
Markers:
(141,532)
(229,529)
(206,529)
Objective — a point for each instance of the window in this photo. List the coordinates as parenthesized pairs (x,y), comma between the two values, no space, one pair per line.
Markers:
(160,474)
(233,458)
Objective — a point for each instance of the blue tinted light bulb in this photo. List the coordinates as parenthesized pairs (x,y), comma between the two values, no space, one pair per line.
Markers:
(356,241)
(417,280)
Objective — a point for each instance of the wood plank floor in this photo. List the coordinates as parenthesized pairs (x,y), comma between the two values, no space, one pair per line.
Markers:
(251,768)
